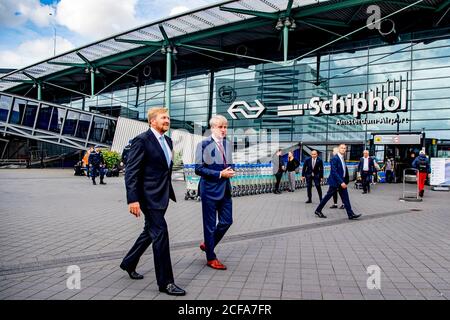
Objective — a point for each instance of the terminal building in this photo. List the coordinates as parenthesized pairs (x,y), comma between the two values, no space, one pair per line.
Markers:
(372,74)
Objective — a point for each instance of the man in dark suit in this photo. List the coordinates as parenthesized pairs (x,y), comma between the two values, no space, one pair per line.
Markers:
(213,164)
(149,187)
(366,169)
(313,171)
(278,168)
(338,181)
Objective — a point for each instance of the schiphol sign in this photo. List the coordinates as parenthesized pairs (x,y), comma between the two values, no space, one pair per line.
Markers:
(391,97)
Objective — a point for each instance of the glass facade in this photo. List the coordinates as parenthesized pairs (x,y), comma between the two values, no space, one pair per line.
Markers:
(421,58)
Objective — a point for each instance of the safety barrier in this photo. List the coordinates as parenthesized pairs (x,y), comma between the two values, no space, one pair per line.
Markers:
(252,179)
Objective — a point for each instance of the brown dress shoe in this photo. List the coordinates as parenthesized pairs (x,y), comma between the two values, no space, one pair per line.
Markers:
(216,264)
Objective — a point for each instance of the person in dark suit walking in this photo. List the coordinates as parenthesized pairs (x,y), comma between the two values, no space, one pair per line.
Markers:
(213,163)
(338,181)
(149,188)
(97,164)
(313,171)
(366,169)
(278,167)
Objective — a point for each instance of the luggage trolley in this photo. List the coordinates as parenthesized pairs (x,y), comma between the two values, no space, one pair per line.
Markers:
(192,183)
(409,195)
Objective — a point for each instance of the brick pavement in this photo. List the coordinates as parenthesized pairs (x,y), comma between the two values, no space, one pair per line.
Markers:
(276,248)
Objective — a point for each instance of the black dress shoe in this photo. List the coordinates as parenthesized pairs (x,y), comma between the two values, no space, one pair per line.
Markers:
(364,192)
(320,214)
(172,290)
(133,274)
(334,206)
(354,216)
(342,206)
(308,201)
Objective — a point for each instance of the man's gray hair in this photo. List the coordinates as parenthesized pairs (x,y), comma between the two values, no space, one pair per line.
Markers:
(216,119)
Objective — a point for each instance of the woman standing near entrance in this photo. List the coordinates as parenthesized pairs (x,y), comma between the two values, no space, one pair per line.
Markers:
(292,165)
(389,170)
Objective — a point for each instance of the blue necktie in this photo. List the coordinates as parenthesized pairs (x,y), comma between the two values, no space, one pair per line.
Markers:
(166,152)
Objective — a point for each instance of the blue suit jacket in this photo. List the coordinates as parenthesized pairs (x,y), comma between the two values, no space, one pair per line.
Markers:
(148,178)
(308,170)
(371,165)
(208,164)
(337,173)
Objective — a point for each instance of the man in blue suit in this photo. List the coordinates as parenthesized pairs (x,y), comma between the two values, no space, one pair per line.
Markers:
(313,171)
(213,164)
(366,169)
(338,181)
(149,188)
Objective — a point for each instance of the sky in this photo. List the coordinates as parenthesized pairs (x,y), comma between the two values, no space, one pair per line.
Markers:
(28,27)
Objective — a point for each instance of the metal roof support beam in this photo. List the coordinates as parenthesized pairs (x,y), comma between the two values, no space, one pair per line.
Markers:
(334,6)
(143,42)
(20,81)
(132,68)
(100,62)
(164,34)
(332,23)
(322,29)
(69,64)
(357,30)
(444,5)
(84,59)
(230,54)
(70,90)
(37,83)
(260,14)
(220,30)
(289,8)
(420,6)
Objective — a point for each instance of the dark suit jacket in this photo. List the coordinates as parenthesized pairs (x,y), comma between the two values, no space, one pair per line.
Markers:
(337,173)
(308,169)
(371,166)
(148,178)
(208,164)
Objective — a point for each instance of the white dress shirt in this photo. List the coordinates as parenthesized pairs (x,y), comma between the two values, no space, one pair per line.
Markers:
(158,137)
(366,164)
(342,161)
(219,142)
(313,164)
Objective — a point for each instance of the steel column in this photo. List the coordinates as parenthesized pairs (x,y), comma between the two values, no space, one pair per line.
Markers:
(39,91)
(168,79)
(285,42)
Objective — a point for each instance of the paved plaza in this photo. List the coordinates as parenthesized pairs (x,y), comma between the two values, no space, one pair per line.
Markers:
(276,248)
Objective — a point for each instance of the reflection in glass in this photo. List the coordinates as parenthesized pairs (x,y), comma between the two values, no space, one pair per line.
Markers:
(17,111)
(83,126)
(97,129)
(71,123)
(30,114)
(109,131)
(5,104)
(45,112)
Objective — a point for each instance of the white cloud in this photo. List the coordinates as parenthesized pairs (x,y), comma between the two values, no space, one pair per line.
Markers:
(97,19)
(33,51)
(14,13)
(178,9)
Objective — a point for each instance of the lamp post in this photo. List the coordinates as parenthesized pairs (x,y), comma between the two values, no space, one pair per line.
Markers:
(54,33)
